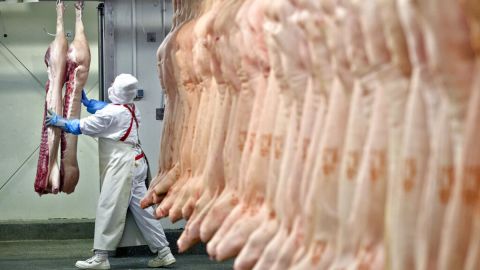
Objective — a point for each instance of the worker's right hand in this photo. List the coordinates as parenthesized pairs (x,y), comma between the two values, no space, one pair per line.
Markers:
(92,104)
(69,126)
(53,119)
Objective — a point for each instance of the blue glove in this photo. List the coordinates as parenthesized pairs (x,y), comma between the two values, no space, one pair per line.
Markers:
(69,126)
(92,104)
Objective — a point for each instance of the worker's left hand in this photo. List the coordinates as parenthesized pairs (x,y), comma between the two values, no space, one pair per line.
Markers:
(92,104)
(54,119)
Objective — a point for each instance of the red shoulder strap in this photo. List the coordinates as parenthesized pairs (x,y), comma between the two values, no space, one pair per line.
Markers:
(132,112)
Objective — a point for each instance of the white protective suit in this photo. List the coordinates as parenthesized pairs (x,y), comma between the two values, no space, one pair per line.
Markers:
(123,170)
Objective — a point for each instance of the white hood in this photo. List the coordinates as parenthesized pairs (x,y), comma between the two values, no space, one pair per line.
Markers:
(123,89)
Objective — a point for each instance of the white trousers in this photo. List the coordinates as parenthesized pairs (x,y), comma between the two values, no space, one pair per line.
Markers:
(150,227)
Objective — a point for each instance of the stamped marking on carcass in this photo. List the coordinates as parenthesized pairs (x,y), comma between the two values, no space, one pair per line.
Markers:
(330,160)
(353,160)
(446,178)
(471,188)
(366,257)
(278,144)
(306,144)
(253,136)
(242,137)
(318,251)
(378,162)
(410,171)
(265,144)
(299,238)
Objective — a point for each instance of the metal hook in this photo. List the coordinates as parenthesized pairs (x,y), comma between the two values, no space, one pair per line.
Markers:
(65,6)
(46,32)
(79,4)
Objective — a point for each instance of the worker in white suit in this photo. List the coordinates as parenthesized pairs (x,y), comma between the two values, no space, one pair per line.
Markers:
(123,171)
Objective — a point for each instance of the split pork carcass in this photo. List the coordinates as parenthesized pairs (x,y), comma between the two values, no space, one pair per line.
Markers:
(230,42)
(207,180)
(78,65)
(308,95)
(168,169)
(248,213)
(168,166)
(291,78)
(188,92)
(323,134)
(223,108)
(68,66)
(47,179)
(216,199)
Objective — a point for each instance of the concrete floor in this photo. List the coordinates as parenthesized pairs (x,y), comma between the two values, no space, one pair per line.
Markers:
(62,254)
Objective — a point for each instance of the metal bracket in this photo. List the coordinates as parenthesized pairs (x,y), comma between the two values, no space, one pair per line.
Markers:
(159,113)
